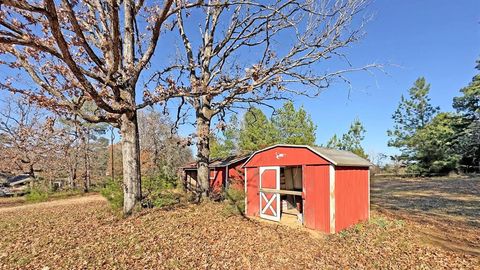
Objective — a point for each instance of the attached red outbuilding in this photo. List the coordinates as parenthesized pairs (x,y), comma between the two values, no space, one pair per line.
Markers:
(324,189)
(224,173)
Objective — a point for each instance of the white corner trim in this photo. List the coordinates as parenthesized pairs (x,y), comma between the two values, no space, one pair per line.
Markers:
(368,193)
(245,183)
(332,198)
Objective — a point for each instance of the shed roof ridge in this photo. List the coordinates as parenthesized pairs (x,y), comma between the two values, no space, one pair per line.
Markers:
(320,151)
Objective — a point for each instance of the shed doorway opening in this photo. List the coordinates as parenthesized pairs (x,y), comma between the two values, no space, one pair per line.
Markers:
(291,187)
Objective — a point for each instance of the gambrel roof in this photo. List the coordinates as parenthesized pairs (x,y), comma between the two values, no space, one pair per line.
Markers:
(334,156)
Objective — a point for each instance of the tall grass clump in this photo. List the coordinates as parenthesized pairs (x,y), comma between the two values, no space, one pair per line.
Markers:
(113,192)
(235,202)
(36,194)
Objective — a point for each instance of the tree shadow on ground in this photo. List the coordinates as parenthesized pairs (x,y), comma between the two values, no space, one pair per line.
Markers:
(445,206)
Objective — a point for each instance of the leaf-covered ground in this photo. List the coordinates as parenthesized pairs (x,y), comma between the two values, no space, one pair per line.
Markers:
(448,209)
(84,233)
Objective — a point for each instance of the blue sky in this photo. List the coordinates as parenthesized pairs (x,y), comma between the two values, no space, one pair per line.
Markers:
(437,39)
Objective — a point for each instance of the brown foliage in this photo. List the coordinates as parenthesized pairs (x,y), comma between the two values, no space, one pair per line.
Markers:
(65,236)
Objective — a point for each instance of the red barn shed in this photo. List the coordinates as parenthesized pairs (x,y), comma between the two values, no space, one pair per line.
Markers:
(324,189)
(224,173)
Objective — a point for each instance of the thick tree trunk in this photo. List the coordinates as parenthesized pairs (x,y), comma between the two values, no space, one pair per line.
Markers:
(131,162)
(203,155)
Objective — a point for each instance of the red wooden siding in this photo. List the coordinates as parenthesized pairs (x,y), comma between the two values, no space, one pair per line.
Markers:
(269,179)
(316,188)
(285,156)
(347,192)
(252,192)
(236,176)
(351,196)
(217,177)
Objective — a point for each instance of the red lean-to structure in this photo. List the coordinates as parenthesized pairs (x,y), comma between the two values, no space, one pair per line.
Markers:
(224,173)
(324,189)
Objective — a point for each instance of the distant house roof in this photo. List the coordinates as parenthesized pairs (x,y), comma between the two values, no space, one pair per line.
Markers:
(334,156)
(219,162)
(19,179)
(4,177)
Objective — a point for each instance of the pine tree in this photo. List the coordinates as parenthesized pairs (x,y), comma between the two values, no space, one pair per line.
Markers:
(350,141)
(294,127)
(433,145)
(467,143)
(226,144)
(257,131)
(413,113)
(334,142)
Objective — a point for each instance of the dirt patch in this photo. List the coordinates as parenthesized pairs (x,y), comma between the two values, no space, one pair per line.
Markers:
(76,200)
(12,201)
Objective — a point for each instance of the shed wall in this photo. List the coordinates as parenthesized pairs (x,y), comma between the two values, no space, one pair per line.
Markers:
(351,196)
(236,176)
(217,177)
(252,192)
(317,197)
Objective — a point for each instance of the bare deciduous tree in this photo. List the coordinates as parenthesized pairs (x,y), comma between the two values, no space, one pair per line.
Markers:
(255,51)
(28,138)
(76,52)
(165,147)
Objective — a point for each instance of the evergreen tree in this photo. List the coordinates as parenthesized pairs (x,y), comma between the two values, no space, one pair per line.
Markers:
(413,113)
(294,127)
(334,142)
(256,131)
(467,143)
(433,145)
(216,147)
(350,141)
(227,144)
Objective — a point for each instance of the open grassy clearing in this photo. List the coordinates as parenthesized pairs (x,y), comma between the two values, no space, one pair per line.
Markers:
(448,209)
(85,233)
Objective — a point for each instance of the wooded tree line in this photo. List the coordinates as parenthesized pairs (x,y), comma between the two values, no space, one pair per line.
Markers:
(93,59)
(78,153)
(38,143)
(432,141)
(286,126)
(256,131)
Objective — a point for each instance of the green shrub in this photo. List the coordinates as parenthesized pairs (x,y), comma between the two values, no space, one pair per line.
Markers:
(166,199)
(152,184)
(36,195)
(236,201)
(159,192)
(113,192)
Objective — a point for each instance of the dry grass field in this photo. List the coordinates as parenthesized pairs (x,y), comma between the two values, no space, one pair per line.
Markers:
(407,218)
(448,209)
